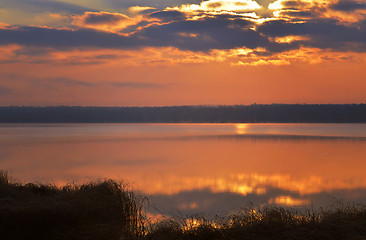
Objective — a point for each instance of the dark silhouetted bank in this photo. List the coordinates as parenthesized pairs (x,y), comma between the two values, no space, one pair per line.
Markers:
(256,113)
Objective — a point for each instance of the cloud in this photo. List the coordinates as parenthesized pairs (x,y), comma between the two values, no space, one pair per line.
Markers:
(62,38)
(56,82)
(348,5)
(322,33)
(4,90)
(294,4)
(167,16)
(38,6)
(105,21)
(219,6)
(135,85)
(299,9)
(32,51)
(101,18)
(47,81)
(219,32)
(158,4)
(265,3)
(139,9)
(67,82)
(198,32)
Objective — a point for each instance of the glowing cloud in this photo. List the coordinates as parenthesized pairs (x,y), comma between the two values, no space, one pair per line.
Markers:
(219,6)
(212,31)
(139,9)
(301,9)
(104,21)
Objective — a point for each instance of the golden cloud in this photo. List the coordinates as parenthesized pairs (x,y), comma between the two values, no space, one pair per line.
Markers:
(105,21)
(307,9)
(170,56)
(139,9)
(220,6)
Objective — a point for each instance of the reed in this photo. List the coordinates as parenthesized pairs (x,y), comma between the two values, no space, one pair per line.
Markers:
(98,210)
(343,221)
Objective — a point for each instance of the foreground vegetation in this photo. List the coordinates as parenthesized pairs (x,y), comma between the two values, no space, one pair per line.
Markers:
(107,210)
(100,210)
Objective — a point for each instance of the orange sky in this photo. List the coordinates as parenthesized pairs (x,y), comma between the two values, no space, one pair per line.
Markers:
(211,52)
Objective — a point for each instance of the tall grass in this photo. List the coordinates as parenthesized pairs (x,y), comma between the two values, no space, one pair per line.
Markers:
(343,222)
(99,210)
(108,210)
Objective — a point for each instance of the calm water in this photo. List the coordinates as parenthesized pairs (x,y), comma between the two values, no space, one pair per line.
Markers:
(197,168)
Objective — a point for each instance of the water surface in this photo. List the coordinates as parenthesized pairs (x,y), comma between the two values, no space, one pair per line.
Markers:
(197,168)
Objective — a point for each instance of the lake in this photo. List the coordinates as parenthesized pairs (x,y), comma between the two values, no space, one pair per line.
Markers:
(197,168)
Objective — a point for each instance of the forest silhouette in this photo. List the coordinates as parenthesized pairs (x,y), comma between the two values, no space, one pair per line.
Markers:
(256,113)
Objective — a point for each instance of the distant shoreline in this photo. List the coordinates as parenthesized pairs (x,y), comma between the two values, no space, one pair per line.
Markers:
(256,113)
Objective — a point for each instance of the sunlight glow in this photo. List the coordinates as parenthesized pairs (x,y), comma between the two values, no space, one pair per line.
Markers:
(244,190)
(105,21)
(242,184)
(212,6)
(138,9)
(289,201)
(241,128)
(290,39)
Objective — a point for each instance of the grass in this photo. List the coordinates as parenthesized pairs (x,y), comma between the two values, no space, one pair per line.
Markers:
(100,210)
(108,210)
(344,221)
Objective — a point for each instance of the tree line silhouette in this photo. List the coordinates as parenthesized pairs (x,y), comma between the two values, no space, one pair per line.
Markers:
(256,113)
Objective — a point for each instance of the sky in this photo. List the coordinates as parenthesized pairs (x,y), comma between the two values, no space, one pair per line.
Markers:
(181,52)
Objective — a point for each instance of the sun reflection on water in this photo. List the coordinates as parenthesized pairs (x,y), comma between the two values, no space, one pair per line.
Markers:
(241,128)
(192,173)
(289,201)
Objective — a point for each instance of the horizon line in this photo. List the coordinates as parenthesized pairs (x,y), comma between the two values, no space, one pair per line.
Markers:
(185,105)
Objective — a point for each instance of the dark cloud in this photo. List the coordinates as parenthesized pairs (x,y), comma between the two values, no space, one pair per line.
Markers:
(4,90)
(54,83)
(299,14)
(106,56)
(298,10)
(48,82)
(293,4)
(135,85)
(207,33)
(211,33)
(348,5)
(135,27)
(168,16)
(32,51)
(38,6)
(68,82)
(103,18)
(62,38)
(324,33)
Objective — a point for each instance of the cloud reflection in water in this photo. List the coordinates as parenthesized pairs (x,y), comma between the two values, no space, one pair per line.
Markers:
(198,168)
